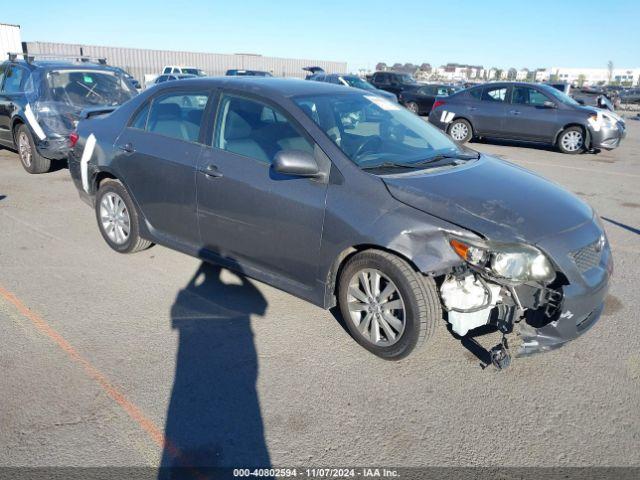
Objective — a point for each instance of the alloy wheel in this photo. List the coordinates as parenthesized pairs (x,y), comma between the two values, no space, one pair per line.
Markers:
(24,149)
(114,217)
(376,307)
(459,131)
(572,141)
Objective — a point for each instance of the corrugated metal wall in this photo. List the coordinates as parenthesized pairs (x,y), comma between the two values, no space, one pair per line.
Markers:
(140,62)
(9,39)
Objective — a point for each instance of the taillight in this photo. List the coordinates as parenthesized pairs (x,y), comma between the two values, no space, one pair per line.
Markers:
(437,103)
(73,138)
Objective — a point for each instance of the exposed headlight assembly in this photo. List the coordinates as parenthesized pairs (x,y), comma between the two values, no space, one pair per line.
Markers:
(517,263)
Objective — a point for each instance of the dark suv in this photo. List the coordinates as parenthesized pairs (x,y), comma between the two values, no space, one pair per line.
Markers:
(42,101)
(393,82)
(529,112)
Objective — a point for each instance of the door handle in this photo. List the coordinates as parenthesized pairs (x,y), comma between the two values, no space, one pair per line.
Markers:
(472,109)
(514,112)
(211,171)
(127,148)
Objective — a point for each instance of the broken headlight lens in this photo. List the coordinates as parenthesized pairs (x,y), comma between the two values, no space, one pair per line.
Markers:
(516,262)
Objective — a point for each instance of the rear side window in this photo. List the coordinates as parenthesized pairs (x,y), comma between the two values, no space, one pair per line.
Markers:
(177,115)
(256,130)
(140,120)
(494,94)
(13,80)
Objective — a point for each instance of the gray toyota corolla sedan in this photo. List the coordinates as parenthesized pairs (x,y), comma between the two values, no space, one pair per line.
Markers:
(344,198)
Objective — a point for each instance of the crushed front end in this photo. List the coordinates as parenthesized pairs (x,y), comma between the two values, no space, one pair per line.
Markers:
(539,296)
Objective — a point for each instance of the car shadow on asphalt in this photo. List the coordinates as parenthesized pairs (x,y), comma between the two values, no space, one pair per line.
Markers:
(214,418)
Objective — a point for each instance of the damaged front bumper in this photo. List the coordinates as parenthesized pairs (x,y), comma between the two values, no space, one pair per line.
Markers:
(588,269)
(608,136)
(535,318)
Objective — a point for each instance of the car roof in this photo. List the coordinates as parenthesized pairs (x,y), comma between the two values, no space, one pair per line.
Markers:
(59,64)
(265,86)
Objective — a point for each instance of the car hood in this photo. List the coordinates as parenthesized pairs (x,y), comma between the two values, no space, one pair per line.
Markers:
(385,94)
(496,199)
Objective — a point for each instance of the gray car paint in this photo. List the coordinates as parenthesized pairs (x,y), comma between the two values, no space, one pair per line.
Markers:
(523,122)
(294,232)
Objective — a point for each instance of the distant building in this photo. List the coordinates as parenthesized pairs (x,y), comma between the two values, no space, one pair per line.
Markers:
(596,76)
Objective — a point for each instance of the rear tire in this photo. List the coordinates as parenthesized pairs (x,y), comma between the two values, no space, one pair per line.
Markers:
(118,219)
(460,131)
(571,140)
(30,159)
(413,107)
(392,324)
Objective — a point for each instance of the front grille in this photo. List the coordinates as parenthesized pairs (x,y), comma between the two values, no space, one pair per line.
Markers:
(587,257)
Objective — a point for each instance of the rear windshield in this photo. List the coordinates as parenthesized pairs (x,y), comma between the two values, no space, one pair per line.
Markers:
(86,88)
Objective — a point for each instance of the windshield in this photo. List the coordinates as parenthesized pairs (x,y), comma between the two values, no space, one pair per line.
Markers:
(357,82)
(558,95)
(86,88)
(407,78)
(372,131)
(193,71)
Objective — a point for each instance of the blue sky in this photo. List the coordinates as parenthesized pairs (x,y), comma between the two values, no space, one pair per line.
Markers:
(498,33)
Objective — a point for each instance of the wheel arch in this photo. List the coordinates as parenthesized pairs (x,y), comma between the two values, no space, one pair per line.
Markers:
(343,257)
(462,117)
(585,129)
(16,121)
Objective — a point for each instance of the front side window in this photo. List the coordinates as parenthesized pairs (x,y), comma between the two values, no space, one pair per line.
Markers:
(528,96)
(494,94)
(167,70)
(177,115)
(13,81)
(256,130)
(476,93)
(372,131)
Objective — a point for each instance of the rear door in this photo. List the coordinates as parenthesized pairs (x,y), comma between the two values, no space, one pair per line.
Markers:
(489,114)
(156,156)
(11,95)
(527,116)
(247,212)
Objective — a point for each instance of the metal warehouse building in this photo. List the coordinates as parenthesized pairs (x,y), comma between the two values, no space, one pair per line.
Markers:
(140,62)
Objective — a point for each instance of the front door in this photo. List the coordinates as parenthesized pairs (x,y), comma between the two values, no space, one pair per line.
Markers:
(157,155)
(528,118)
(250,214)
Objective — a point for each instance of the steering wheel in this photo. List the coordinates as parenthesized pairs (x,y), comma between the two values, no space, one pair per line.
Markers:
(366,146)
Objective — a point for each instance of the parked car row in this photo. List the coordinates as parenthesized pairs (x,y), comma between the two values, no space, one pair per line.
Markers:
(328,193)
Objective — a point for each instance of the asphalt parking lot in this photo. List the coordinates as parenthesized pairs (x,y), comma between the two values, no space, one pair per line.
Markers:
(106,358)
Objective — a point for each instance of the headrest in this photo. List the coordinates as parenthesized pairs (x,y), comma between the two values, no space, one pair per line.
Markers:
(236,127)
(163,110)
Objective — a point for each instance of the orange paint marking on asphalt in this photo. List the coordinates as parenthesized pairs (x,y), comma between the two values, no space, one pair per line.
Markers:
(116,395)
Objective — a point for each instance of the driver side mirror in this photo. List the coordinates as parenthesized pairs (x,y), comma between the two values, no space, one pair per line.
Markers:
(549,104)
(579,100)
(297,163)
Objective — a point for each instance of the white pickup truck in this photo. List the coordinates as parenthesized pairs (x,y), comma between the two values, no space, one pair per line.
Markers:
(175,69)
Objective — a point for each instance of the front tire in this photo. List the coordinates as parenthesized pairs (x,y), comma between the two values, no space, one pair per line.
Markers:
(118,219)
(30,159)
(460,131)
(387,306)
(571,140)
